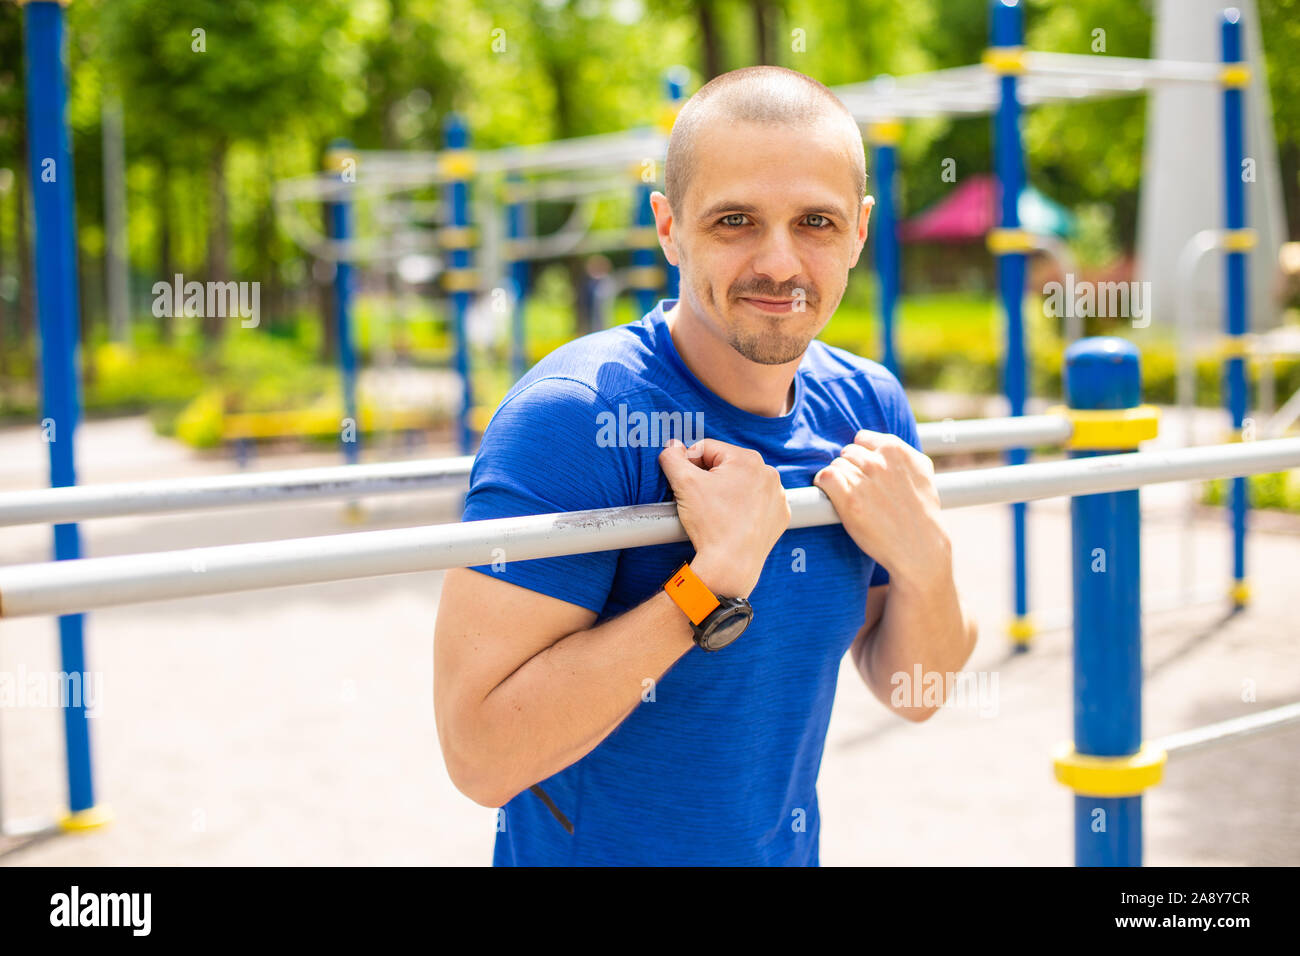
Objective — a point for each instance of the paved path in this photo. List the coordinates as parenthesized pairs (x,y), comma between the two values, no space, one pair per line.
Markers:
(295,726)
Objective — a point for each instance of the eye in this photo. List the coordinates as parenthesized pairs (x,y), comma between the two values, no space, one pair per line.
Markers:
(725,220)
(824,222)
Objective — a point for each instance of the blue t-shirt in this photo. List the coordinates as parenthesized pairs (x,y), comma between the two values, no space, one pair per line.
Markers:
(718,763)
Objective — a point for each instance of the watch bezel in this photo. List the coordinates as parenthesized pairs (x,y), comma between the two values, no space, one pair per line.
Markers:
(727,609)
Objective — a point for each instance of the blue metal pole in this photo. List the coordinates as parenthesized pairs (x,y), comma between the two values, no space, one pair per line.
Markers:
(50,160)
(520,275)
(340,223)
(884,137)
(460,270)
(1236,289)
(646,277)
(675,80)
(1104,373)
(1007,35)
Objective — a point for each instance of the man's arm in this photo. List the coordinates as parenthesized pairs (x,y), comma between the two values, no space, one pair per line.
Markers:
(909,624)
(524,686)
(883,491)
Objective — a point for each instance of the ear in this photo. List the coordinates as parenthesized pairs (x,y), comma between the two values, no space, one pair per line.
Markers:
(664,225)
(861,238)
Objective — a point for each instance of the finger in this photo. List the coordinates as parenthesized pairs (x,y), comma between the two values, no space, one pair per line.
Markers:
(709,453)
(874,440)
(864,458)
(677,467)
(837,479)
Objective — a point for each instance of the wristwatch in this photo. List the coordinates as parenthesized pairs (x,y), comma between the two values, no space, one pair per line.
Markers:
(717,621)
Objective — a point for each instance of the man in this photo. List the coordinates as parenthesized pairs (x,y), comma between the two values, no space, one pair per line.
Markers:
(580,693)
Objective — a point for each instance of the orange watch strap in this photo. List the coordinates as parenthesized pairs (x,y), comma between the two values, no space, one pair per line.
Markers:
(691,594)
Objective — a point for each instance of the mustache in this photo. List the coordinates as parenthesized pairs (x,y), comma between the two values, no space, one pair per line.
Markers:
(798,290)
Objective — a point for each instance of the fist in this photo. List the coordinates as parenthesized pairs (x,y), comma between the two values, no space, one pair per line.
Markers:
(733,508)
(883,491)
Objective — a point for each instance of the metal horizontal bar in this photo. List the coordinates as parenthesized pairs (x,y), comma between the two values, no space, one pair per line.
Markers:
(63,505)
(64,587)
(1224,732)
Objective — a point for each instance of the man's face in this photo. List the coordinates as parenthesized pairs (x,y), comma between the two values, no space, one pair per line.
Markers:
(769,229)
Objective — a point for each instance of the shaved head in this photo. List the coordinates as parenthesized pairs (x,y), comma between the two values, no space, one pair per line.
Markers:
(764,95)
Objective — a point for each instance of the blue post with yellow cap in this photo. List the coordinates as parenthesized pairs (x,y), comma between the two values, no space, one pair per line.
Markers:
(1009,245)
(645,277)
(519,274)
(340,226)
(460,274)
(675,80)
(1235,77)
(50,162)
(1104,375)
(884,136)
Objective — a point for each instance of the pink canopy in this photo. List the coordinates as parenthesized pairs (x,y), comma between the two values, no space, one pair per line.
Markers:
(965,215)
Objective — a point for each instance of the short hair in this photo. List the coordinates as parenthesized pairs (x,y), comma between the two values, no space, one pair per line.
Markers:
(770,95)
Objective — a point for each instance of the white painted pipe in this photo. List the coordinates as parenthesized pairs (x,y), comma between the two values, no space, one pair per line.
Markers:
(81,502)
(64,587)
(1216,735)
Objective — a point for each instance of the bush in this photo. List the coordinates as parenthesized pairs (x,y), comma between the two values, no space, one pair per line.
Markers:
(1277,490)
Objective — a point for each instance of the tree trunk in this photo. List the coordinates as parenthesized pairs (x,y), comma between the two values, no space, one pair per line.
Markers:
(166,258)
(26,277)
(1290,162)
(710,42)
(214,326)
(764,41)
(266,261)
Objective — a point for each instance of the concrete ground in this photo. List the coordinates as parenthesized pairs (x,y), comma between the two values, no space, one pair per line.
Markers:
(295,726)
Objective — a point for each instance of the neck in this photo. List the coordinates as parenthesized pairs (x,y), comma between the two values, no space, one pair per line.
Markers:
(766,390)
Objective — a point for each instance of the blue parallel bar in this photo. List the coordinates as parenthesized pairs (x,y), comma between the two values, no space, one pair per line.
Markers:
(1105,373)
(1236,306)
(1007,31)
(50,162)
(340,226)
(456,137)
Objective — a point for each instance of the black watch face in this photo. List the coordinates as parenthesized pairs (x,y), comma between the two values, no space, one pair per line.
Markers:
(727,628)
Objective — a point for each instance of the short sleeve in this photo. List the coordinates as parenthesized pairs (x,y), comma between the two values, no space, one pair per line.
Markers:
(902,422)
(539,455)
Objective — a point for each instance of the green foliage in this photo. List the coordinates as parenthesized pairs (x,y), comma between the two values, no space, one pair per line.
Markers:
(122,378)
(1277,490)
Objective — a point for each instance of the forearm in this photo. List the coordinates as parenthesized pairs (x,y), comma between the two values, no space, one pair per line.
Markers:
(562,702)
(923,623)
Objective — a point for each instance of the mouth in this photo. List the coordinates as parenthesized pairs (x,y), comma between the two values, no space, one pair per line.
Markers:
(775,306)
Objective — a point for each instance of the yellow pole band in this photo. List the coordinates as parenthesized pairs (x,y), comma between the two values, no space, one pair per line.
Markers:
(666,117)
(1021,629)
(89,819)
(885,132)
(1003,242)
(1239,240)
(645,277)
(456,163)
(643,237)
(1235,346)
(457,237)
(1239,593)
(460,280)
(1094,776)
(1109,428)
(1235,75)
(1005,59)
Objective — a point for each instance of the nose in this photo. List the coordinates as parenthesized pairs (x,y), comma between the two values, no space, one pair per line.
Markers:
(777,258)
